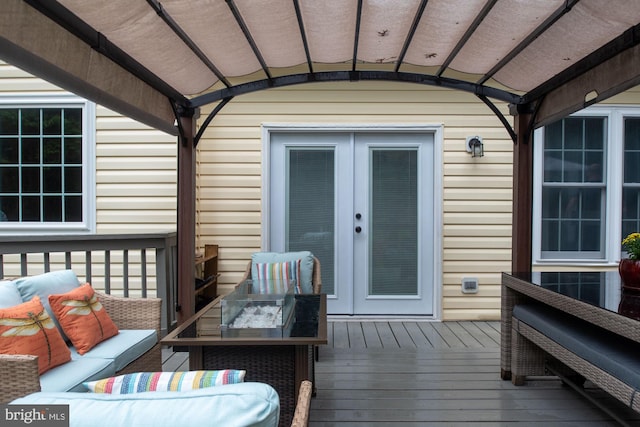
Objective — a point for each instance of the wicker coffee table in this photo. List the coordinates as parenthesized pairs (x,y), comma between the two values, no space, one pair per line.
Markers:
(283,362)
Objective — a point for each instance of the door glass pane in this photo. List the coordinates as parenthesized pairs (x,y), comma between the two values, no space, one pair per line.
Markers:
(311,206)
(393,251)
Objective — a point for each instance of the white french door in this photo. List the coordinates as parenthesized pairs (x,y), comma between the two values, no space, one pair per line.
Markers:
(363,203)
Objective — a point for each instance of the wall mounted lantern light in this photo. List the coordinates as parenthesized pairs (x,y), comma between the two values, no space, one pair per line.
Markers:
(474,146)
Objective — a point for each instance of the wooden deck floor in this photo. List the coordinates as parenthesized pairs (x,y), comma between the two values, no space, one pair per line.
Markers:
(431,374)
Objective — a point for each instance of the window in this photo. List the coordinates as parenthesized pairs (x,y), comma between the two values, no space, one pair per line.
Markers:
(587,186)
(631,181)
(46,164)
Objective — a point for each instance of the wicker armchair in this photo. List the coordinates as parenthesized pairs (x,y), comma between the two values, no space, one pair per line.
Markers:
(19,373)
(316,280)
(316,283)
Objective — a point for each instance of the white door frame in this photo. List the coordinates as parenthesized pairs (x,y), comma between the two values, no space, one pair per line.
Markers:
(435,129)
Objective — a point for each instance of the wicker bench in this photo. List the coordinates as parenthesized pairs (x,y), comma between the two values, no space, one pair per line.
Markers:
(541,334)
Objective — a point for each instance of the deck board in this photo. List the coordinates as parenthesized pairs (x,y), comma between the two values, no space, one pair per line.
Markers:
(432,335)
(340,335)
(447,335)
(386,335)
(371,335)
(414,373)
(417,336)
(490,329)
(174,361)
(356,336)
(402,336)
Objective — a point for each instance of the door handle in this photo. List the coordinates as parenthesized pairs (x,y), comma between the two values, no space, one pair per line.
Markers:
(358,229)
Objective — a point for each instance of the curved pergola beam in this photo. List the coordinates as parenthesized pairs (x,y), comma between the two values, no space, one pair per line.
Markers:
(337,76)
(482,92)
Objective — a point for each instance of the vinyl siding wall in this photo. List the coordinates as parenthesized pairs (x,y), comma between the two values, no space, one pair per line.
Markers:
(136,173)
(476,205)
(135,176)
(135,164)
(135,179)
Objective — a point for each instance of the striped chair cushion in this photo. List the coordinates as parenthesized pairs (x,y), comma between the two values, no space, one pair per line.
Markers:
(165,381)
(274,277)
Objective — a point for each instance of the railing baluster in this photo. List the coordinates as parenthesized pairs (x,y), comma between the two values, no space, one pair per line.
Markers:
(1,267)
(107,271)
(143,272)
(67,260)
(125,272)
(23,264)
(166,292)
(47,262)
(87,265)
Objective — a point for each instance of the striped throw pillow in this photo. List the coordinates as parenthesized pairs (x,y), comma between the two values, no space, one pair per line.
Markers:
(274,277)
(165,381)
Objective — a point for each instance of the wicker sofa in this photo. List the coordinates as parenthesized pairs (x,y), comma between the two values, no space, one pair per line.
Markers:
(135,348)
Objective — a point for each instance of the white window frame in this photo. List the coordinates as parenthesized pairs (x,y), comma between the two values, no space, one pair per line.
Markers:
(61,100)
(614,156)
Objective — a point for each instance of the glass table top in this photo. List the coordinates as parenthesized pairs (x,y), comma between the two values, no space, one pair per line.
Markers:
(307,323)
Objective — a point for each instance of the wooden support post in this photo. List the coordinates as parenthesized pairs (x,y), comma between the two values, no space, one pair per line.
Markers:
(522,195)
(186,218)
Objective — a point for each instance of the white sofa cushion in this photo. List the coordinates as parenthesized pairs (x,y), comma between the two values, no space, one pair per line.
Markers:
(237,405)
(71,375)
(123,348)
(43,285)
(9,295)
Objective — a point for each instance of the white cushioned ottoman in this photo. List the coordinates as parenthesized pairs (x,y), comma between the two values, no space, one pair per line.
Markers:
(233,405)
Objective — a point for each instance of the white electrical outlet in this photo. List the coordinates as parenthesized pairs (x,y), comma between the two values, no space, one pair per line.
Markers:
(469,285)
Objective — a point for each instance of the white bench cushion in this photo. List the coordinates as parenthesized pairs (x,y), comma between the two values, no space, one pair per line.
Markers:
(71,375)
(123,348)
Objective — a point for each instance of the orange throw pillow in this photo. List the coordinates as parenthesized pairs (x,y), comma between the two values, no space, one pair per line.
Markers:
(83,319)
(27,328)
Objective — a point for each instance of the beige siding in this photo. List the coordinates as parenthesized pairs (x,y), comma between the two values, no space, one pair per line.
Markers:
(476,205)
(630,97)
(135,176)
(136,173)
(14,80)
(477,193)
(135,164)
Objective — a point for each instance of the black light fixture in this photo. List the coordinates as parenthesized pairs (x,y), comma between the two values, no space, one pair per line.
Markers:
(474,146)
